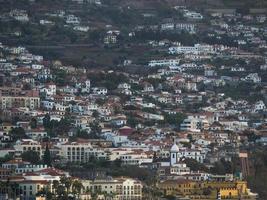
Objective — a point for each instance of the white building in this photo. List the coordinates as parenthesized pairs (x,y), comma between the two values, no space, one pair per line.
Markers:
(74,151)
(100,90)
(36,133)
(124,86)
(50,89)
(164,62)
(253,77)
(259,106)
(186,27)
(81,28)
(193,125)
(179,169)
(177,155)
(135,158)
(193,15)
(122,188)
(196,49)
(71,19)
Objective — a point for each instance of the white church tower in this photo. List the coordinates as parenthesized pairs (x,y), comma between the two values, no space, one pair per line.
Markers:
(175,157)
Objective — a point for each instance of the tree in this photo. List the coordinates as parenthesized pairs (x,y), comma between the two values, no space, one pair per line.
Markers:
(18,133)
(218,168)
(117,163)
(95,114)
(33,123)
(6,158)
(174,119)
(131,121)
(190,137)
(14,189)
(77,187)
(82,134)
(195,165)
(47,157)
(60,77)
(31,156)
(46,120)
(45,192)
(95,129)
(67,183)
(207,191)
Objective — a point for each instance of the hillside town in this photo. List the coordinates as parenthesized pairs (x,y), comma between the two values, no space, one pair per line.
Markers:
(163,108)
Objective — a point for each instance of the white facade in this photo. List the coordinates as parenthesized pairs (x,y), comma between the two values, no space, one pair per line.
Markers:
(135,159)
(177,154)
(193,15)
(186,27)
(75,152)
(196,49)
(100,90)
(165,62)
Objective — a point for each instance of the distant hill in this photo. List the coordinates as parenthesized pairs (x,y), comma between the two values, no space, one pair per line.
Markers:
(151,4)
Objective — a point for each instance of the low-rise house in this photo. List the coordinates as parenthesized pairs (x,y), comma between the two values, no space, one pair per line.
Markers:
(253,77)
(196,49)
(193,15)
(36,134)
(136,158)
(165,62)
(25,145)
(100,90)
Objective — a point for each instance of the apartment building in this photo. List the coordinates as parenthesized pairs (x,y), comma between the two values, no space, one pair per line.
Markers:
(75,151)
(136,158)
(15,98)
(196,49)
(28,145)
(122,188)
(165,62)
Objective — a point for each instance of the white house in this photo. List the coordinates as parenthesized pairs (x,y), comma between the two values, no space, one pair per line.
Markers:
(164,62)
(193,15)
(259,106)
(124,86)
(196,49)
(100,90)
(253,77)
(177,155)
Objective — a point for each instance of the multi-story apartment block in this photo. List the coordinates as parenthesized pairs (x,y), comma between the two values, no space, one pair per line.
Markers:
(28,145)
(15,98)
(75,151)
(136,158)
(18,166)
(122,188)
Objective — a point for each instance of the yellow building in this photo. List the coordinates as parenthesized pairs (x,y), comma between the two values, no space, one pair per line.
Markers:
(15,98)
(180,187)
(207,190)
(6,127)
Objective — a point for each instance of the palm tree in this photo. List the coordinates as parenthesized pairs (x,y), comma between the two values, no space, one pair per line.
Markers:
(2,184)
(45,192)
(2,187)
(7,187)
(56,189)
(14,187)
(77,188)
(67,182)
